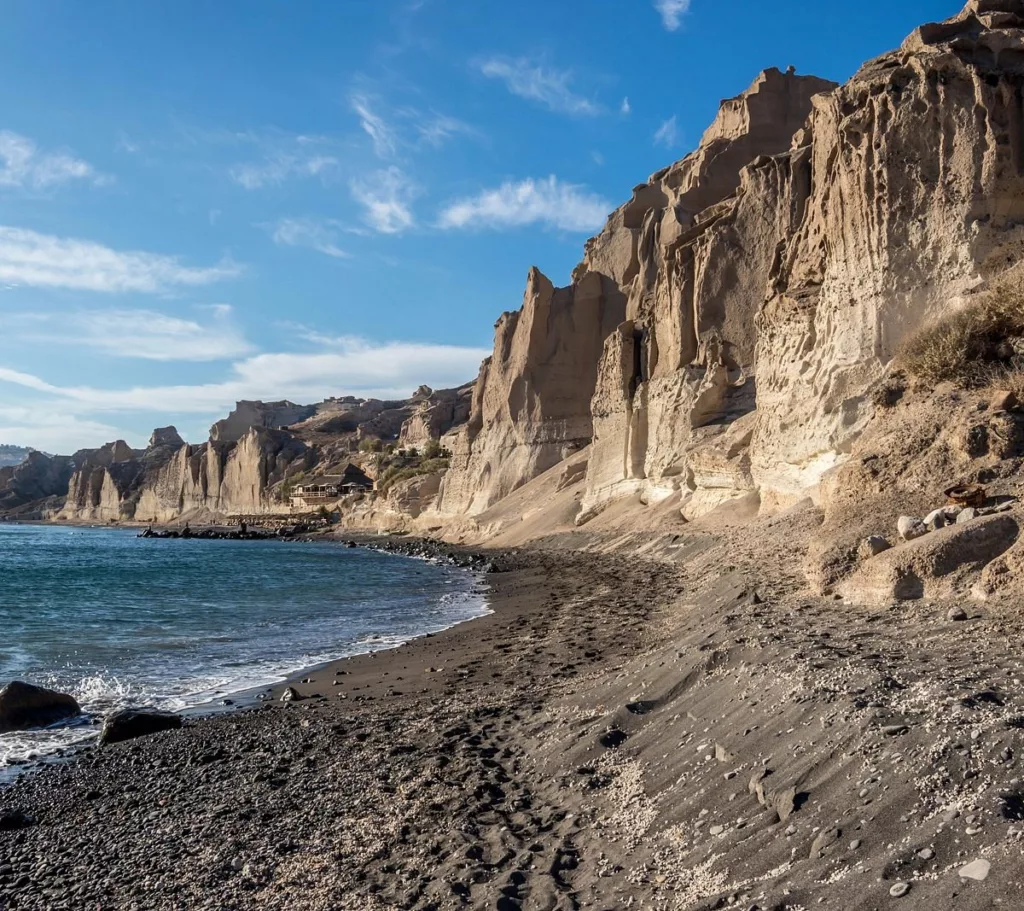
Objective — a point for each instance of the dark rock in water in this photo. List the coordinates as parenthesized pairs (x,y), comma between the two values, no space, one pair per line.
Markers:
(128,724)
(25,706)
(10,820)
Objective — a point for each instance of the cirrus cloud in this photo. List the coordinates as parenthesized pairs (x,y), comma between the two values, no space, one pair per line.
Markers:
(312,233)
(535,82)
(386,197)
(137,334)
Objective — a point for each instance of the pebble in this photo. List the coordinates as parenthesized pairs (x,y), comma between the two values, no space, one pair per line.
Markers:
(926,854)
(956,615)
(855,844)
(824,840)
(977,870)
(898,890)
(910,528)
(895,730)
(716,830)
(966,515)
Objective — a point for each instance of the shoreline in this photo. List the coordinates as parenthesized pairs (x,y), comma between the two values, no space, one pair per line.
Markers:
(253,696)
(685,731)
(225,767)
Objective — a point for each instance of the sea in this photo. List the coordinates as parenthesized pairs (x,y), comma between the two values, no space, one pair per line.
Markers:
(118,620)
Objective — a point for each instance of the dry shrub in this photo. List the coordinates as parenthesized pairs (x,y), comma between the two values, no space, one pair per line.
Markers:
(970,347)
(1011,380)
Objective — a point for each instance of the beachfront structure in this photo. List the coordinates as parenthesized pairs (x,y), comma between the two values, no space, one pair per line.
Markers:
(326,488)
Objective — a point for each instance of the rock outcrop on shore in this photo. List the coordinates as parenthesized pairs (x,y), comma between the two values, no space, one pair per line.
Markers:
(24,706)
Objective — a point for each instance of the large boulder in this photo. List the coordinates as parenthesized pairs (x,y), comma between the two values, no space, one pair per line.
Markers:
(937,565)
(127,724)
(24,706)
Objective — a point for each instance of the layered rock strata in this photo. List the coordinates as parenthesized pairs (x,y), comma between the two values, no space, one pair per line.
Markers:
(531,402)
(767,281)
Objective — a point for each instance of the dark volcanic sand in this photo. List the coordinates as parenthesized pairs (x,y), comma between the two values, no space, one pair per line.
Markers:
(595,743)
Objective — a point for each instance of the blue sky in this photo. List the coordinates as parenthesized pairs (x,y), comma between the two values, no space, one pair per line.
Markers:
(206,201)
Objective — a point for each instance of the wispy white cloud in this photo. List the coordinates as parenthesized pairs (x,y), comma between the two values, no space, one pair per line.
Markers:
(55,430)
(386,197)
(141,334)
(22,164)
(625,108)
(45,261)
(667,134)
(436,129)
(277,167)
(341,366)
(394,129)
(381,133)
(548,202)
(548,86)
(125,143)
(312,233)
(672,12)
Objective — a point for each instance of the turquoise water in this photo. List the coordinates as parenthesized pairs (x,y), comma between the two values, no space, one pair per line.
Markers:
(119,620)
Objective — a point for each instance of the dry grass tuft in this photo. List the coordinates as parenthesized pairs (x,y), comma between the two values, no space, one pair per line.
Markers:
(974,346)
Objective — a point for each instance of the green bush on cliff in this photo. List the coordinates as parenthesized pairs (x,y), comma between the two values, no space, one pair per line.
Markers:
(397,473)
(977,344)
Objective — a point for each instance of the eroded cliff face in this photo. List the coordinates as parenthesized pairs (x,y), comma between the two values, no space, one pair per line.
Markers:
(171,479)
(38,477)
(692,250)
(435,413)
(268,415)
(673,343)
(530,404)
(767,280)
(915,169)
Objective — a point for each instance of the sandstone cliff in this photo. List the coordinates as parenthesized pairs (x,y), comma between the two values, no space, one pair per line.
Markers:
(171,479)
(753,294)
(530,405)
(268,415)
(248,463)
(656,331)
(37,478)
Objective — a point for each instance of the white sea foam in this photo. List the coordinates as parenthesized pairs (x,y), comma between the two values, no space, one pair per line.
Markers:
(150,656)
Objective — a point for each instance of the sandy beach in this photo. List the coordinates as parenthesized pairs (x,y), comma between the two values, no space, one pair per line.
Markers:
(615,729)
